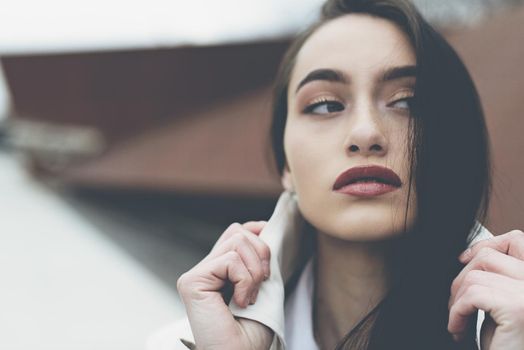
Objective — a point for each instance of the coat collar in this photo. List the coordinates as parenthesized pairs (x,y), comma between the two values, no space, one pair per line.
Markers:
(284,234)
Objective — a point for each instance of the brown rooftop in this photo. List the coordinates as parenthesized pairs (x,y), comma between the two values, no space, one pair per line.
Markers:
(220,151)
(221,147)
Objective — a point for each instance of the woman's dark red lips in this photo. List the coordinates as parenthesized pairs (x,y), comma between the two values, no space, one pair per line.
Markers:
(354,174)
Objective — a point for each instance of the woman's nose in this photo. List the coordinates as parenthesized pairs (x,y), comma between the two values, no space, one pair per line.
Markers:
(366,137)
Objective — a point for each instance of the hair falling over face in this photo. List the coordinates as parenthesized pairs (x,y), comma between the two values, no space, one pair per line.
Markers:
(447,131)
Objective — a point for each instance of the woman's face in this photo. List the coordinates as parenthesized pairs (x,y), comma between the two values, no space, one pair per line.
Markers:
(347,107)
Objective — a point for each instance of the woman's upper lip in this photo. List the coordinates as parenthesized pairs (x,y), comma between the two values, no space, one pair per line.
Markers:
(353,174)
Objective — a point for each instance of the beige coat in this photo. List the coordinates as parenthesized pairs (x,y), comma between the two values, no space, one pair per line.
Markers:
(282,233)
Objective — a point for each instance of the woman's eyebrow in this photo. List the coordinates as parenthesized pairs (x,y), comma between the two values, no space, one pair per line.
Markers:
(337,76)
(332,75)
(397,73)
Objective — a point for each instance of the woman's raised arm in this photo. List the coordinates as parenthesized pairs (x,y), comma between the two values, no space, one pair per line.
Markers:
(493,281)
(241,258)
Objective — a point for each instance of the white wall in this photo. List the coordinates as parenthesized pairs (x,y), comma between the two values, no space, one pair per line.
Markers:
(63,284)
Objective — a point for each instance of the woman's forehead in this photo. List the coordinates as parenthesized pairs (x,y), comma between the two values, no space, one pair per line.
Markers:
(359,45)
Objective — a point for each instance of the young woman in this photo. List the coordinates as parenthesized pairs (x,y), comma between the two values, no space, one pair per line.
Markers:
(379,138)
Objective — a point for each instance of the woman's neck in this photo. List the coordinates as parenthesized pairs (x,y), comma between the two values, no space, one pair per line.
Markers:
(350,279)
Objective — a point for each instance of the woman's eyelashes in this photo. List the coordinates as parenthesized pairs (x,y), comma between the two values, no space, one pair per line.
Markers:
(327,105)
(402,104)
(324,106)
(402,101)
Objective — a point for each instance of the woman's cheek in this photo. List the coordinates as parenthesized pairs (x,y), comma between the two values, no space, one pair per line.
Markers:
(313,187)
(308,158)
(307,165)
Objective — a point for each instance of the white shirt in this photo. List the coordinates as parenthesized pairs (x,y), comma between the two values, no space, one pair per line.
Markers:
(292,321)
(298,311)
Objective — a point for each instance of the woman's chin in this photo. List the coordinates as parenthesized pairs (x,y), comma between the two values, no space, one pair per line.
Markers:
(363,221)
(363,226)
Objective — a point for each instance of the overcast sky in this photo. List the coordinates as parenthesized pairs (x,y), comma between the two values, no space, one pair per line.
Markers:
(65,25)
(28,26)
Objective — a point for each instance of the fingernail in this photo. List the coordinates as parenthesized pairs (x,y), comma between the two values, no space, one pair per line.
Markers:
(254,297)
(465,254)
(265,266)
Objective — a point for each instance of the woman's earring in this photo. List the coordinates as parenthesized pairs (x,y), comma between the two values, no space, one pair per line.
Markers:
(293,193)
(288,183)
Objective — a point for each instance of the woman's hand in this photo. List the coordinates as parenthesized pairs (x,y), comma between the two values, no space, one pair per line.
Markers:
(493,281)
(242,258)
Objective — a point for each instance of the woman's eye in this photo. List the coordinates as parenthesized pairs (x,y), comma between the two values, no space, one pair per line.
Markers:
(404,103)
(324,107)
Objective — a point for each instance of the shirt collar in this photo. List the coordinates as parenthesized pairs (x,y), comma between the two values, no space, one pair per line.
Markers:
(283,233)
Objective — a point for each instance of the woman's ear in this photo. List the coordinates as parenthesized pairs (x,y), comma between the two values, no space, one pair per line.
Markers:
(287,180)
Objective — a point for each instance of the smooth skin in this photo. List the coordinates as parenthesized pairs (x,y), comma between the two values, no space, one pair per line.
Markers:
(491,280)
(332,126)
(241,257)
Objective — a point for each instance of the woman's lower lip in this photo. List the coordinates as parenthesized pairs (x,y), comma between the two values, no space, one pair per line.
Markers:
(366,189)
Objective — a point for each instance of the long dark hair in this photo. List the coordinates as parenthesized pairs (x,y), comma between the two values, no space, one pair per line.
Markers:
(450,167)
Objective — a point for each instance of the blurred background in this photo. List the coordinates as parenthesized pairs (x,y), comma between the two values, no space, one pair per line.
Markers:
(132,133)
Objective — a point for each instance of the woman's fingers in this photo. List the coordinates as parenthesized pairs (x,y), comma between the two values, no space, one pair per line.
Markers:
(235,236)
(252,263)
(486,279)
(490,260)
(499,296)
(237,242)
(255,226)
(479,290)
(240,276)
(492,281)
(511,243)
(474,297)
(211,276)
(254,253)
(234,269)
